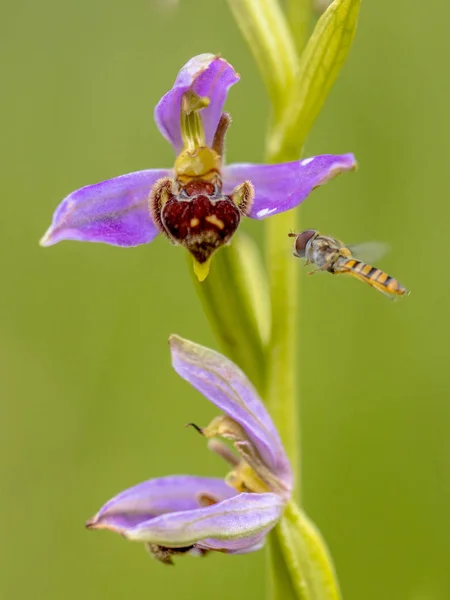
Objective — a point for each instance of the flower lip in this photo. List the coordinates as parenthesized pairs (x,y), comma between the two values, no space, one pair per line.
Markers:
(226,386)
(203,221)
(198,216)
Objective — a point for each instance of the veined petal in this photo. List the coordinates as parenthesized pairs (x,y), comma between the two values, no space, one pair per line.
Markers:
(226,386)
(114,212)
(239,518)
(155,497)
(283,186)
(207,75)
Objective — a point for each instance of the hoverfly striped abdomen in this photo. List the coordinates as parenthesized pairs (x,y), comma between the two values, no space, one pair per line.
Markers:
(375,277)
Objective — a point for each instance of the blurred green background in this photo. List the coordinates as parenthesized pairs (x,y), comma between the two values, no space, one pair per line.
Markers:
(88,401)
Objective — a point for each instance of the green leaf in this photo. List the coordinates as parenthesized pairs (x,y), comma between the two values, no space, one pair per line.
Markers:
(266,30)
(236,299)
(299,14)
(320,64)
(301,548)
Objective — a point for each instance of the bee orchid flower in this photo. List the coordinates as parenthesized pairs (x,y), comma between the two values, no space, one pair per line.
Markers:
(199,202)
(188,514)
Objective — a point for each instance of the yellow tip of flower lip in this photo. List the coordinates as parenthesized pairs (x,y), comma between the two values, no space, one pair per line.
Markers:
(201,269)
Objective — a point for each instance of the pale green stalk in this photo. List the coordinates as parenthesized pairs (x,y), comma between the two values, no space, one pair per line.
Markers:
(282,395)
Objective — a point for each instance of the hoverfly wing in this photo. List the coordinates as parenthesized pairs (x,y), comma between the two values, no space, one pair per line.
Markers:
(370,252)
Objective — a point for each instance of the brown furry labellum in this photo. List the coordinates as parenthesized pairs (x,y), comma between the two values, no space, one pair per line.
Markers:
(198,215)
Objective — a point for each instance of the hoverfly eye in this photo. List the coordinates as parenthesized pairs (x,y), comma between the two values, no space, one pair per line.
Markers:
(302,240)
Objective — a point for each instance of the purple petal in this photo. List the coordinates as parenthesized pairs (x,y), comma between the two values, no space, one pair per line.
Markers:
(207,75)
(284,186)
(242,519)
(114,212)
(155,497)
(226,386)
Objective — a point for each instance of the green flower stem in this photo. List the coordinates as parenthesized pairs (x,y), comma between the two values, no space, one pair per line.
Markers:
(282,368)
(300,565)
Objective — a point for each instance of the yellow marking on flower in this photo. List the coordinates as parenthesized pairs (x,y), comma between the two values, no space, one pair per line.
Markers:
(198,163)
(244,479)
(201,270)
(195,222)
(214,220)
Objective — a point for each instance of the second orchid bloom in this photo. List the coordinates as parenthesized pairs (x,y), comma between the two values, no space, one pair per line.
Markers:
(188,514)
(200,201)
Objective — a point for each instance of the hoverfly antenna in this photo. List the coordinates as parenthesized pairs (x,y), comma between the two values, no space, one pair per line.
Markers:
(196,427)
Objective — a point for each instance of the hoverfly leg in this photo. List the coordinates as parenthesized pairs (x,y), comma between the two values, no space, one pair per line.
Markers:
(324,268)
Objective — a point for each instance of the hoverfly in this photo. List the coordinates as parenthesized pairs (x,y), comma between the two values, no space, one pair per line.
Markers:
(329,254)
